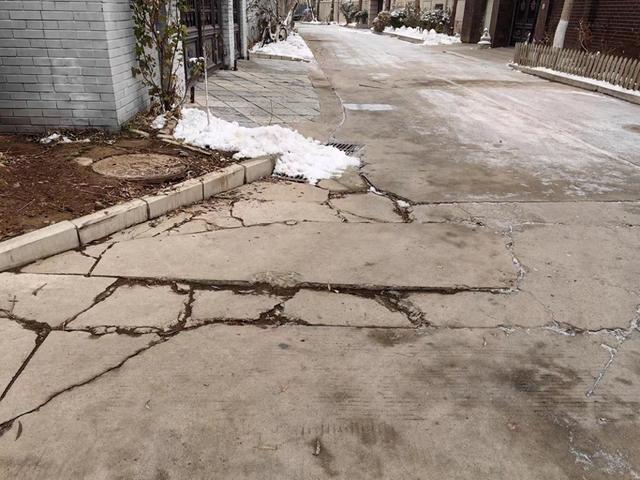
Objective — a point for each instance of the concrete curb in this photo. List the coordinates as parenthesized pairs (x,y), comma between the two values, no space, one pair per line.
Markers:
(267,56)
(403,38)
(586,85)
(72,234)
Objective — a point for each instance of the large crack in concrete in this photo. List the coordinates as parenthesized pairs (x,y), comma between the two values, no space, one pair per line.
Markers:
(273,318)
(5,426)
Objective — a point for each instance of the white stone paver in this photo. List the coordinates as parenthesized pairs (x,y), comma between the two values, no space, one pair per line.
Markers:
(261,92)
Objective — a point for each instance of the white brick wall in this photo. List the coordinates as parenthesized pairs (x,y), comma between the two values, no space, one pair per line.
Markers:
(66,64)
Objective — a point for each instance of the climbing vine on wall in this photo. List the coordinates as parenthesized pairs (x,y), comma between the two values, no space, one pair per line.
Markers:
(159,36)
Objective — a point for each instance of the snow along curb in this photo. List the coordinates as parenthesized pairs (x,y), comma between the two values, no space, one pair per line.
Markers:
(269,56)
(574,82)
(72,234)
(404,38)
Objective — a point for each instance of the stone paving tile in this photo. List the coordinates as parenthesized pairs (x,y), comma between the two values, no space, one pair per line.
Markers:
(257,95)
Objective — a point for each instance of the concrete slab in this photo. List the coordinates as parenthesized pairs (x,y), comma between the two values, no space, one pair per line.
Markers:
(134,307)
(217,214)
(589,284)
(367,206)
(254,212)
(364,255)
(340,309)
(71,262)
(193,226)
(65,360)
(439,213)
(153,227)
(481,309)
(16,343)
(323,402)
(348,181)
(229,305)
(502,215)
(281,191)
(506,215)
(50,299)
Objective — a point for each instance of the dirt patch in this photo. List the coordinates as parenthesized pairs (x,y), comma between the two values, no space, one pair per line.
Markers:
(43,184)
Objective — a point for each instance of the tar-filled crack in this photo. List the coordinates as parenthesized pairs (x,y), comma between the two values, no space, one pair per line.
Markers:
(338,213)
(5,426)
(231,214)
(404,213)
(95,264)
(177,224)
(521,272)
(106,293)
(621,337)
(41,335)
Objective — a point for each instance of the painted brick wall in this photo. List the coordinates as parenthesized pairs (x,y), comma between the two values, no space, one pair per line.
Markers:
(66,64)
(615,25)
(130,94)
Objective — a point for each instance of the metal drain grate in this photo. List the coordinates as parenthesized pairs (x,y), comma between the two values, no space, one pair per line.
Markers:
(298,178)
(348,148)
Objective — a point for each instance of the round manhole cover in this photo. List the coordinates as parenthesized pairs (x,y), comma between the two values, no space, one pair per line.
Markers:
(141,167)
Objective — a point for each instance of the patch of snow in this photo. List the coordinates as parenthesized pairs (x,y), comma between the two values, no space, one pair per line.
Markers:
(590,81)
(159,122)
(372,107)
(403,204)
(55,137)
(293,47)
(299,156)
(428,37)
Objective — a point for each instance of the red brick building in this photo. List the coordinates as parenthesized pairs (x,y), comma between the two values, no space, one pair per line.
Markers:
(608,26)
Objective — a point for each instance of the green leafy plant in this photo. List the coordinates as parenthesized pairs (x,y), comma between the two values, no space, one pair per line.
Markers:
(438,20)
(398,17)
(382,20)
(362,16)
(349,10)
(159,35)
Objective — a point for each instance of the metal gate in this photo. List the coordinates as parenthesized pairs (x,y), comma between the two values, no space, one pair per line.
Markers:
(202,18)
(524,20)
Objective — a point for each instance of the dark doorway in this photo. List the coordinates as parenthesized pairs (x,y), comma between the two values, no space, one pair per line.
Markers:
(202,18)
(524,20)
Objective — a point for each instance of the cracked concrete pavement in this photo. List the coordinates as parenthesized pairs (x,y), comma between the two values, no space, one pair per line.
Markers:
(440,324)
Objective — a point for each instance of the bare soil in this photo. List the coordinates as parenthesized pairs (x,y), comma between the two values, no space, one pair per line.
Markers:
(42,184)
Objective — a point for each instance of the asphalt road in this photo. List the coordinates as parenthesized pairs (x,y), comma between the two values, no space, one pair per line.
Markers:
(476,317)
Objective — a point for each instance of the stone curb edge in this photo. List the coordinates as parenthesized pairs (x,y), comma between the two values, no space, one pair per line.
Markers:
(629,97)
(404,38)
(269,56)
(71,234)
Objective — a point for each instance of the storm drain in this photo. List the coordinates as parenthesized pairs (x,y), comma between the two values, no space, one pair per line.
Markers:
(348,148)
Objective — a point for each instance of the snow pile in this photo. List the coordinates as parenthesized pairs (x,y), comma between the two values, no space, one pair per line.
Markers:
(159,122)
(428,37)
(433,38)
(405,31)
(55,137)
(293,47)
(300,156)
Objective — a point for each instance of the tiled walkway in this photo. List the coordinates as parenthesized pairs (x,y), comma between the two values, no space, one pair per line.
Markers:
(261,92)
